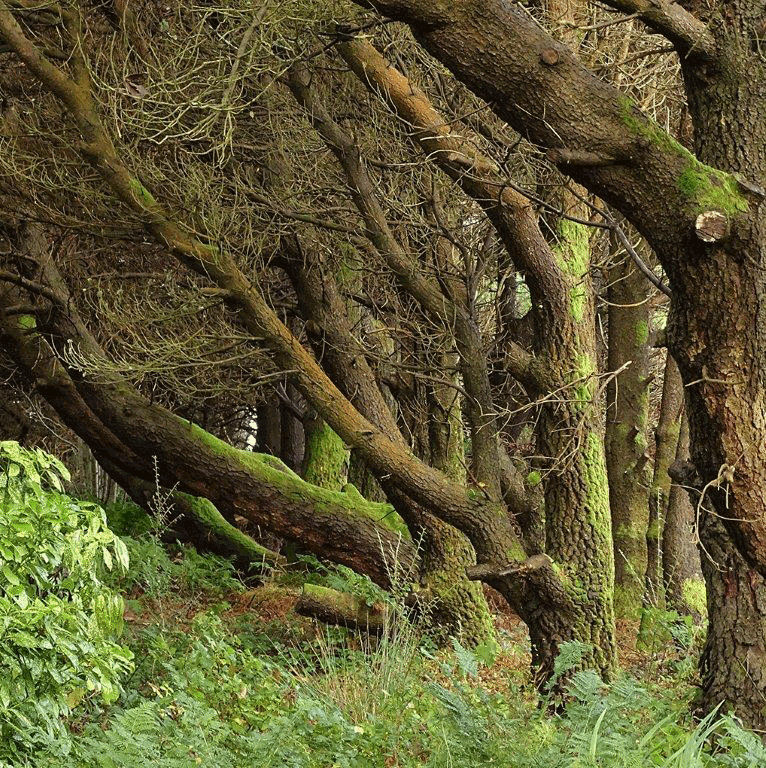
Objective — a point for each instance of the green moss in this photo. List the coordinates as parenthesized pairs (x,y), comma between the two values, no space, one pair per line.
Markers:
(642,332)
(27,322)
(628,599)
(573,252)
(710,189)
(640,125)
(695,595)
(706,188)
(326,457)
(653,530)
(565,577)
(597,485)
(584,379)
(270,471)
(143,195)
(453,605)
(516,553)
(207,514)
(533,479)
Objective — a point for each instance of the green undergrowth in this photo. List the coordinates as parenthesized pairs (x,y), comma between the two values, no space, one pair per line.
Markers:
(205,676)
(216,687)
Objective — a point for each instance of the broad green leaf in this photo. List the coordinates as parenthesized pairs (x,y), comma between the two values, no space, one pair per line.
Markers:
(10,575)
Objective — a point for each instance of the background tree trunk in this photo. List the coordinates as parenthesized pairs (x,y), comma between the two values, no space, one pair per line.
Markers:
(627,415)
(666,444)
(680,555)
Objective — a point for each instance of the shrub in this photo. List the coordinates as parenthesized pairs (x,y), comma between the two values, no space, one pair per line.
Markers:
(58,621)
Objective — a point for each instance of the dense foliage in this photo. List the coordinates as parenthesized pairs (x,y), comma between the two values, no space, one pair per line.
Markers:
(213,686)
(58,621)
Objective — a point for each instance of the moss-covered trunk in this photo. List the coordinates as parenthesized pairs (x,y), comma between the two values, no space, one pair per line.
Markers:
(577,515)
(717,334)
(325,461)
(627,412)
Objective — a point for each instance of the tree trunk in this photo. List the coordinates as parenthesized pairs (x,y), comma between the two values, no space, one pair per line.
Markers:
(325,460)
(269,426)
(680,556)
(293,441)
(717,334)
(626,423)
(452,604)
(577,514)
(341,609)
(578,527)
(733,663)
(666,443)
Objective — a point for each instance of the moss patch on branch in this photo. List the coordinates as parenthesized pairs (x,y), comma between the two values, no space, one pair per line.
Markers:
(273,472)
(710,189)
(705,188)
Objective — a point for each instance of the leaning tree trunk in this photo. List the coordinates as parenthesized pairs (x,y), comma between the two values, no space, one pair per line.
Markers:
(452,604)
(576,492)
(706,226)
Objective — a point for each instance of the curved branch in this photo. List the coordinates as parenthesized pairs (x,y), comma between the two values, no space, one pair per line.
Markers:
(540,87)
(691,37)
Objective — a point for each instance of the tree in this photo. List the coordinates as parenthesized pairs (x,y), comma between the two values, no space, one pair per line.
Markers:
(701,212)
(701,221)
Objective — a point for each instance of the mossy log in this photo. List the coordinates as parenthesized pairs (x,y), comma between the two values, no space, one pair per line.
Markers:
(340,609)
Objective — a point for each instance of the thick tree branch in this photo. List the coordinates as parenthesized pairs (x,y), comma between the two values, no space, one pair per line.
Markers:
(538,86)
(691,37)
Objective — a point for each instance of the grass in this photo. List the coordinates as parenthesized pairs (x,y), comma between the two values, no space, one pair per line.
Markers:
(226,676)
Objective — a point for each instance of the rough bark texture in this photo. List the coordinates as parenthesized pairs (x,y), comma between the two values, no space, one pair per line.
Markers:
(626,424)
(716,330)
(733,660)
(120,423)
(666,443)
(717,333)
(680,557)
(451,603)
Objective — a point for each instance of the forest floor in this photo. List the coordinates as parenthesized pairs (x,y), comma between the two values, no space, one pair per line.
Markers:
(229,676)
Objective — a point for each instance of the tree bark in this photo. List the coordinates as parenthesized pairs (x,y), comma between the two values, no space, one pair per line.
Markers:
(666,444)
(116,420)
(325,461)
(680,557)
(626,424)
(452,604)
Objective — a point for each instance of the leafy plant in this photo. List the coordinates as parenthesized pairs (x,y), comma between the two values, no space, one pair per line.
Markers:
(127,519)
(155,572)
(57,619)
